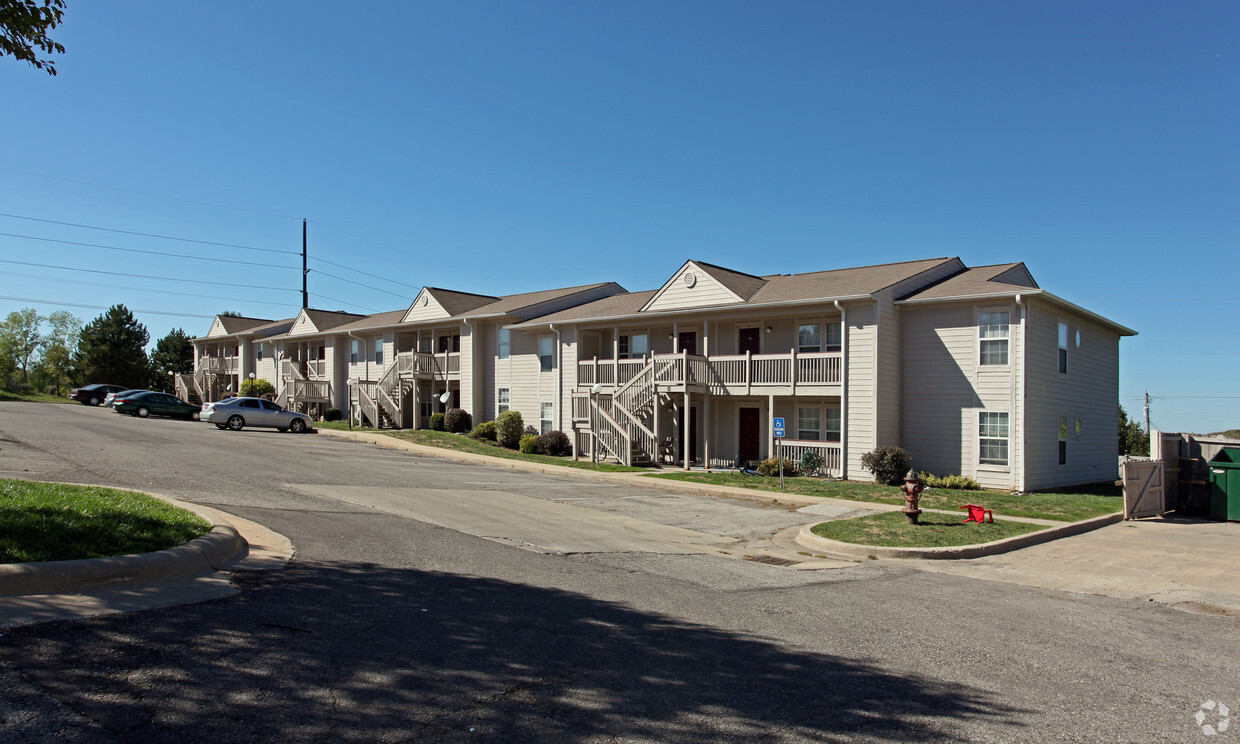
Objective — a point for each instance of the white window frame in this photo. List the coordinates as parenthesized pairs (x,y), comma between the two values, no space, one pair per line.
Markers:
(833,336)
(994,429)
(1061,456)
(258,353)
(624,344)
(503,399)
(1063,347)
(546,360)
(379,351)
(826,415)
(504,342)
(353,351)
(811,433)
(811,348)
(546,417)
(988,324)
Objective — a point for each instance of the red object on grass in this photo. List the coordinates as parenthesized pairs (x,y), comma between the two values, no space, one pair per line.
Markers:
(978,514)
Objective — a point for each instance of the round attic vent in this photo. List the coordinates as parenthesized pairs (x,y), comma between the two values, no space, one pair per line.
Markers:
(690,279)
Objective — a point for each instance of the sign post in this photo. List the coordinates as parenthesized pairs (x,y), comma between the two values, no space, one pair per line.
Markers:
(777,427)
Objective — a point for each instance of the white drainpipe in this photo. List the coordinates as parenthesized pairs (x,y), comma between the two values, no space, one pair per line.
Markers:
(843,389)
(559,376)
(1019,485)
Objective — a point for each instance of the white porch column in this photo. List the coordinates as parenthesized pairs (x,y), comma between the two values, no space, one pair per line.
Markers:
(707,430)
(687,416)
(770,425)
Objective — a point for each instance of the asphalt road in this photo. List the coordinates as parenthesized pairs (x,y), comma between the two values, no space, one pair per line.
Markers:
(389,628)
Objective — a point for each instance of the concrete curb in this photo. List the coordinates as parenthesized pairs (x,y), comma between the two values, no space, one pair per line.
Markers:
(835,548)
(198,557)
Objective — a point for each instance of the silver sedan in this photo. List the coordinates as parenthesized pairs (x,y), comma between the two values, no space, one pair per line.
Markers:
(238,413)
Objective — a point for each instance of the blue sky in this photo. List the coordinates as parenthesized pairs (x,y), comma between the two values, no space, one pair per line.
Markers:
(506,147)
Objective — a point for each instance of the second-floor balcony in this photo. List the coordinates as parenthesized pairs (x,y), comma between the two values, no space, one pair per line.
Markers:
(445,365)
(738,374)
(218,365)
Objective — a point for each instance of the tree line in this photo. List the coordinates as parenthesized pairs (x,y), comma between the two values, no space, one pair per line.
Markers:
(54,352)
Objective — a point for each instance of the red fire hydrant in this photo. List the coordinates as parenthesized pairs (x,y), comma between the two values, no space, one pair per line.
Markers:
(912,489)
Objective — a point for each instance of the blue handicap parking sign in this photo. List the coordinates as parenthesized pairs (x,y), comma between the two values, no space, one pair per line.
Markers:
(779,427)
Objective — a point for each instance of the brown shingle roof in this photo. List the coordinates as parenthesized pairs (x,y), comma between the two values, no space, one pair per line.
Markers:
(741,284)
(826,285)
(378,320)
(456,303)
(513,304)
(236,324)
(628,303)
(999,279)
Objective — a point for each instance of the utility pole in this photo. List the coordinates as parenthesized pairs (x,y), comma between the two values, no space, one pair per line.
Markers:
(305,297)
(1147,412)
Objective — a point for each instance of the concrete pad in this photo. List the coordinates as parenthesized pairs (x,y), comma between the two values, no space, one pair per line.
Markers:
(527,522)
(40,608)
(1188,563)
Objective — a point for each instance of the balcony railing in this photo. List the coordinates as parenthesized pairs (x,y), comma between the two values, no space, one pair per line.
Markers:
(794,449)
(423,364)
(734,374)
(218,365)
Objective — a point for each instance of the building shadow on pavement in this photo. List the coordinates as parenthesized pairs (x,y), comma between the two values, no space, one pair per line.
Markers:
(425,656)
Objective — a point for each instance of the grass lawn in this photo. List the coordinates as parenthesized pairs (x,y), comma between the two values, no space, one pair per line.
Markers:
(1071,505)
(462,443)
(6,396)
(890,529)
(58,522)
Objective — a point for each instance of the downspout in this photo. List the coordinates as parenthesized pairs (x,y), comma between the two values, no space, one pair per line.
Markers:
(559,375)
(843,390)
(473,353)
(1020,397)
(366,357)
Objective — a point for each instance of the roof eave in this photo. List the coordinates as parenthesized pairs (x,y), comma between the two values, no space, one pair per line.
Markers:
(1101,320)
(527,325)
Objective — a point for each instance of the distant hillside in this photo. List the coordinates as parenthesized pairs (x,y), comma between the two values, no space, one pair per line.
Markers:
(1230,434)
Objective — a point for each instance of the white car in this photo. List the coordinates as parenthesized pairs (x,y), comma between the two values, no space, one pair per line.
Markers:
(238,413)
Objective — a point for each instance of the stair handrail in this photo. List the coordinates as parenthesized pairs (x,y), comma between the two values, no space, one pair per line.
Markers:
(389,405)
(613,437)
(368,406)
(634,394)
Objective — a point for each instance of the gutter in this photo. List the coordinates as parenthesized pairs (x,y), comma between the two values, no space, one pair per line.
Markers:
(843,389)
(559,375)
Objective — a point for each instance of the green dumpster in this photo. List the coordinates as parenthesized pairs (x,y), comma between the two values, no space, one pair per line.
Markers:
(1225,485)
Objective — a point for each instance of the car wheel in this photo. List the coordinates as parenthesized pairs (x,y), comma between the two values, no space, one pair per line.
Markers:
(297,425)
(142,412)
(220,426)
(236,423)
(194,416)
(94,401)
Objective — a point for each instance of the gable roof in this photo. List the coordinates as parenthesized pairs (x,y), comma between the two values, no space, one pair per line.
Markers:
(840,283)
(700,284)
(524,305)
(617,306)
(981,281)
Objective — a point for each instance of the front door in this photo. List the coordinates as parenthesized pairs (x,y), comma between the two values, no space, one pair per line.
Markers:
(688,342)
(749,340)
(750,435)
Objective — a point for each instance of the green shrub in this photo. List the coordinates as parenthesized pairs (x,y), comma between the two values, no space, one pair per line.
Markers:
(458,420)
(508,429)
(256,388)
(332,414)
(888,464)
(770,466)
(484,431)
(437,421)
(811,462)
(957,482)
(554,443)
(532,430)
(529,444)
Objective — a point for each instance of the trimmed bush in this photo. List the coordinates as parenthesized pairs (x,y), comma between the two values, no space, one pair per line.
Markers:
(554,443)
(458,420)
(957,482)
(770,466)
(532,430)
(437,422)
(811,462)
(888,464)
(508,429)
(332,414)
(256,388)
(484,432)
(529,444)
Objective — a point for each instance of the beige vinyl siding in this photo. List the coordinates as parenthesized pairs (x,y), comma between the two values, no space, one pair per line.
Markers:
(303,326)
(566,364)
(524,378)
(888,372)
(266,369)
(1090,391)
(425,307)
(861,349)
(705,292)
(945,389)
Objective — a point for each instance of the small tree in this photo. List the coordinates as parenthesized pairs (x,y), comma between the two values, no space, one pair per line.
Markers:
(172,354)
(888,464)
(1133,440)
(508,429)
(256,388)
(112,349)
(20,339)
(23,30)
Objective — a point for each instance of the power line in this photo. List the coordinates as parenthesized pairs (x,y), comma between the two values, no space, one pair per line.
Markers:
(367,286)
(144,289)
(147,193)
(363,273)
(146,276)
(102,307)
(150,235)
(152,253)
(350,304)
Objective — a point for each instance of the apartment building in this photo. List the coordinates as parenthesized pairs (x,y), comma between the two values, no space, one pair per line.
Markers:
(976,371)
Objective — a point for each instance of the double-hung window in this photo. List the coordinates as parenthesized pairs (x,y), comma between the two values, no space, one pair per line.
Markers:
(353,352)
(378,351)
(258,357)
(1063,348)
(546,416)
(992,332)
(1063,440)
(505,344)
(546,353)
(809,337)
(992,438)
(809,424)
(502,401)
(834,337)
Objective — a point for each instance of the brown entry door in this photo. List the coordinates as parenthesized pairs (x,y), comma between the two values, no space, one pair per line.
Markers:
(748,340)
(750,435)
(688,342)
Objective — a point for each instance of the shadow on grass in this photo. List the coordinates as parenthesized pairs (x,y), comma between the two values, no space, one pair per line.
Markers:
(425,656)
